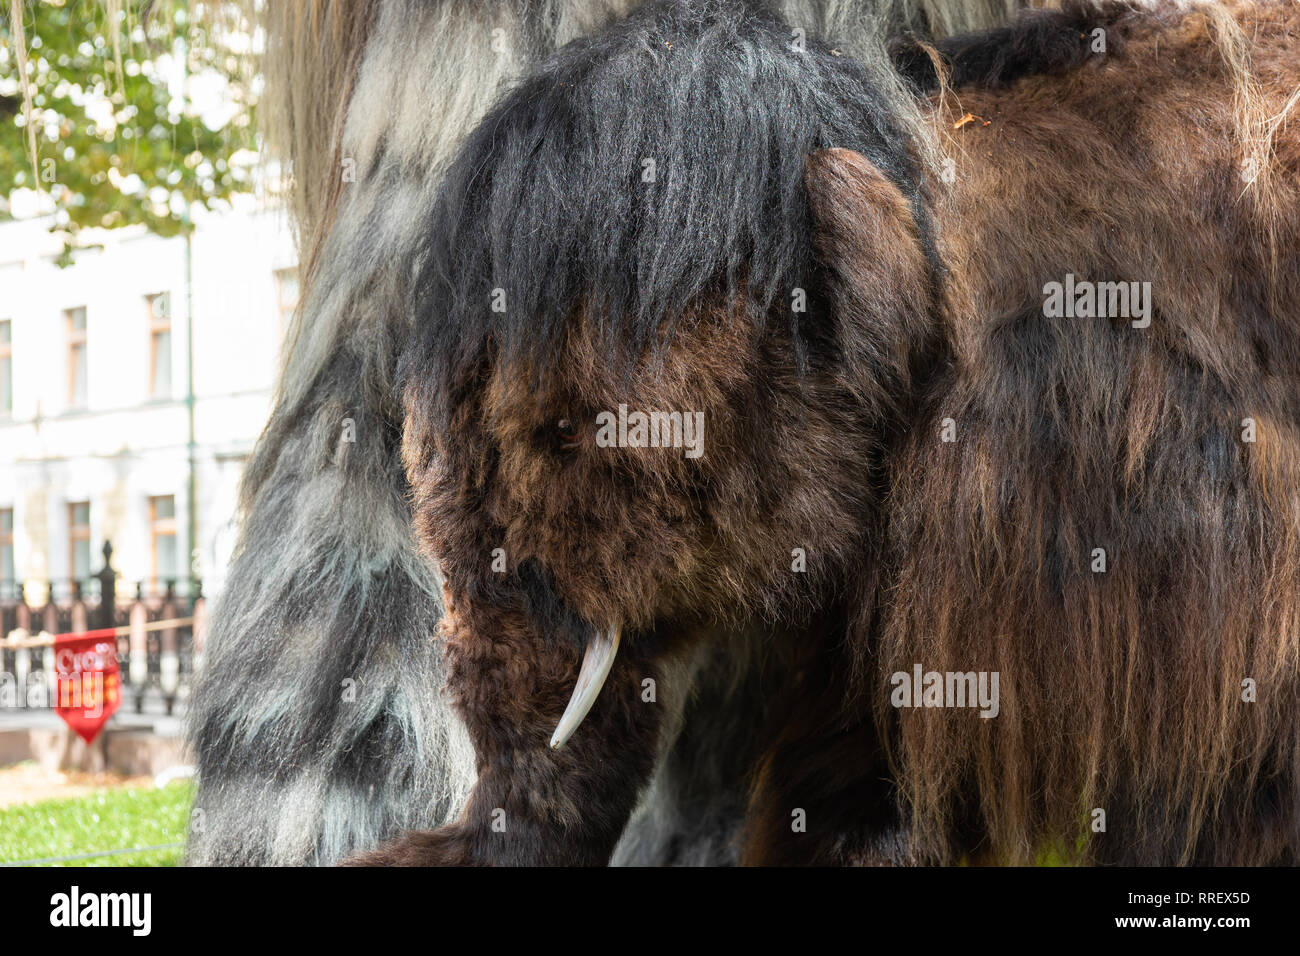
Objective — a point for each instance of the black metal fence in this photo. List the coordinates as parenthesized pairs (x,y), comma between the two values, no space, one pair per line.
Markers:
(160,635)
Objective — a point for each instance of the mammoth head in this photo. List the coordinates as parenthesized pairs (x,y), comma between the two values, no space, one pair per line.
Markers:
(630,403)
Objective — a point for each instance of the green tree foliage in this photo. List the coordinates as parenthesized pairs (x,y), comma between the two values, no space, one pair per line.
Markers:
(135,122)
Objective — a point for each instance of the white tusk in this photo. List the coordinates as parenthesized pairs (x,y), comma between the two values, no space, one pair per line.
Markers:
(596,662)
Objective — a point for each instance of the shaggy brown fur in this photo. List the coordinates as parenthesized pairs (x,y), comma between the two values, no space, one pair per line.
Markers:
(707,538)
(1122,689)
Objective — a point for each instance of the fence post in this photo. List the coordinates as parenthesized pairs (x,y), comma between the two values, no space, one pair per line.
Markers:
(200,631)
(138,670)
(78,616)
(168,660)
(105,614)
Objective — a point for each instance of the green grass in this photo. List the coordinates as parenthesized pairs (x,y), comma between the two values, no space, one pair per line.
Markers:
(106,820)
(125,817)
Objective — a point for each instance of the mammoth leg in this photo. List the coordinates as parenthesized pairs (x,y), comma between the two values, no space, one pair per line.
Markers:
(822,792)
(693,811)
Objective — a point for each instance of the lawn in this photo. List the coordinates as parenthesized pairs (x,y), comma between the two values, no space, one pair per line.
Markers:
(110,819)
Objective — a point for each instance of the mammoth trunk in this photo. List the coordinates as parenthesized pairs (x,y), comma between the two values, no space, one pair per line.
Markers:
(542,797)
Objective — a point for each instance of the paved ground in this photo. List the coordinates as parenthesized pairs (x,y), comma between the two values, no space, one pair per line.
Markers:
(130,745)
(28,782)
(159,723)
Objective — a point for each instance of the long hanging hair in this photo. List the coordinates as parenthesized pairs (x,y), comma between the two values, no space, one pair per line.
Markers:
(1114,526)
(317,723)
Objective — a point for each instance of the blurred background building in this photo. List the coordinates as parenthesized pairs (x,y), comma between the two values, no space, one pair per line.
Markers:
(147,279)
(133,384)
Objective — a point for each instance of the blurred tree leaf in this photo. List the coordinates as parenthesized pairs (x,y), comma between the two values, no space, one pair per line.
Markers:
(135,122)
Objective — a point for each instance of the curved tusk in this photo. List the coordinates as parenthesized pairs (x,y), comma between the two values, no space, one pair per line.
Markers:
(596,662)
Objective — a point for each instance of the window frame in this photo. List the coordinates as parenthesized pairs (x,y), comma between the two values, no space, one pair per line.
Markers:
(7,369)
(158,327)
(78,533)
(78,355)
(161,528)
(7,542)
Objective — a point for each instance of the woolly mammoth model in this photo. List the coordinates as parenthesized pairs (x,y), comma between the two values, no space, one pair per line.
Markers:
(318,723)
(916,459)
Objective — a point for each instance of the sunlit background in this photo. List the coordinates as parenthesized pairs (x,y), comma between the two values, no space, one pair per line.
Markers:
(148,277)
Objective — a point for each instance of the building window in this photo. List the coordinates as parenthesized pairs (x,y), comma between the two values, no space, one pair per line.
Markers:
(6,367)
(286,296)
(7,575)
(76,321)
(162,532)
(79,540)
(160,344)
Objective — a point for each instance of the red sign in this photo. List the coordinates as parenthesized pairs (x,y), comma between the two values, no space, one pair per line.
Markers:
(88,687)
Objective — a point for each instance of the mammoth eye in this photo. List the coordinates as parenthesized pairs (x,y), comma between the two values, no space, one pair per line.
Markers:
(568,432)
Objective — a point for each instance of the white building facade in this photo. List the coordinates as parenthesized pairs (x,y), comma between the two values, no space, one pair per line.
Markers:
(133,385)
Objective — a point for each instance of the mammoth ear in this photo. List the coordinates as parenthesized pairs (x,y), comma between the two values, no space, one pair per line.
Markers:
(863,227)
(865,236)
